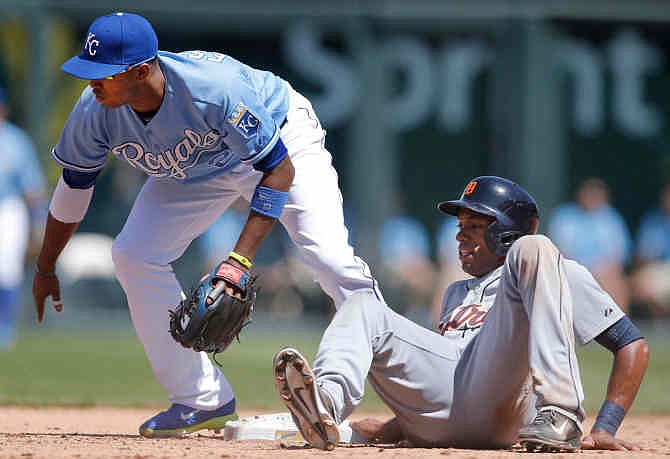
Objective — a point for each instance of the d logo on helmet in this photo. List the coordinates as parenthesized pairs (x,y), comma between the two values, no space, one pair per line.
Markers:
(470,188)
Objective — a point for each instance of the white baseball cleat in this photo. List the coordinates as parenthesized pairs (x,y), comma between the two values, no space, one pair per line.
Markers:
(551,431)
(296,385)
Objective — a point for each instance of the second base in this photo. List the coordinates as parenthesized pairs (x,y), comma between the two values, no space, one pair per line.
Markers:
(278,426)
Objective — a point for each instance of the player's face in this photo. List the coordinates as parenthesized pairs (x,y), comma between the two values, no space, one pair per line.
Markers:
(117,91)
(476,257)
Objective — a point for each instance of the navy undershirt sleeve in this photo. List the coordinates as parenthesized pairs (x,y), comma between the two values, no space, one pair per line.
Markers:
(270,161)
(79,180)
(620,334)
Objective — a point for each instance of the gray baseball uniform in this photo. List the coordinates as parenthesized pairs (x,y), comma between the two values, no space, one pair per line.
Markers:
(506,339)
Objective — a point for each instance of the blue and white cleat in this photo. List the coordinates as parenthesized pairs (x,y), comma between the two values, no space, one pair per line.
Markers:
(181,420)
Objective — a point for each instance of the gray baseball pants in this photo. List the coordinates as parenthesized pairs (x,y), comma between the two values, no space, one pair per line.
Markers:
(478,398)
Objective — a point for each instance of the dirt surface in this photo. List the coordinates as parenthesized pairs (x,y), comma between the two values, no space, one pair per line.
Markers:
(112,433)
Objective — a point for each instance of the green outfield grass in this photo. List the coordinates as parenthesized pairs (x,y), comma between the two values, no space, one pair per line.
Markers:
(109,368)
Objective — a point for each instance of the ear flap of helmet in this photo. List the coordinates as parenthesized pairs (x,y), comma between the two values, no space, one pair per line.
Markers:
(499,238)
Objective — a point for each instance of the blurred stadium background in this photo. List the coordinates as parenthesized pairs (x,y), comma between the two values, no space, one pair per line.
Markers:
(417,97)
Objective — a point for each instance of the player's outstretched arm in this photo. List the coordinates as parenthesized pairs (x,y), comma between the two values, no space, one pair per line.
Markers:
(266,206)
(45,281)
(628,369)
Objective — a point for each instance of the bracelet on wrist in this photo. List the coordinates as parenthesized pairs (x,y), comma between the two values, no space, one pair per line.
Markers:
(609,417)
(41,273)
(241,259)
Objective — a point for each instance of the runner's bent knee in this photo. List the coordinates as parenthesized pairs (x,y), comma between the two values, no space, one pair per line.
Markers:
(530,248)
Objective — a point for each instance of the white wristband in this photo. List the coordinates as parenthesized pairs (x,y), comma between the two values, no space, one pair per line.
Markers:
(69,205)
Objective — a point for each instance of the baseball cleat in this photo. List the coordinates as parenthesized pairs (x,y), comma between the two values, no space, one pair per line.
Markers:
(181,420)
(310,408)
(551,431)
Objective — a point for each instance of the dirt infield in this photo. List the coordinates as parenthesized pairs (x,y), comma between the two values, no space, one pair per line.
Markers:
(112,433)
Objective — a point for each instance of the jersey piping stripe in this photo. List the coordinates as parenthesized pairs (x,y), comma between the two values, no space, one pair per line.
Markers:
(481,298)
(571,344)
(270,145)
(371,277)
(71,166)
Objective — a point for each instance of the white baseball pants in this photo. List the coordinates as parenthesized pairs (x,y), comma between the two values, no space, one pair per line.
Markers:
(168,215)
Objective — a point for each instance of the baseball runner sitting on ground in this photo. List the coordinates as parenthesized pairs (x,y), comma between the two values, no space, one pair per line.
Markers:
(502,367)
(207,129)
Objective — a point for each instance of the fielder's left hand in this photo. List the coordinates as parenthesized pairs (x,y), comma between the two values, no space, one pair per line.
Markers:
(45,284)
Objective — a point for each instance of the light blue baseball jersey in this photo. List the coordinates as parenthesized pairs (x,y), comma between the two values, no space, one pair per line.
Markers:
(20,171)
(216,113)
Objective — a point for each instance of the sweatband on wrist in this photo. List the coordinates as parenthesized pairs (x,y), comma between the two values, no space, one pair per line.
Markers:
(609,417)
(268,201)
(69,205)
(241,259)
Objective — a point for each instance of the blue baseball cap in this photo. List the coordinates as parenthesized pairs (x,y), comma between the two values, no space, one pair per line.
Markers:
(113,43)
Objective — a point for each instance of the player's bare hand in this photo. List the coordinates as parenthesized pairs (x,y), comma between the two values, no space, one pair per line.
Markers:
(377,431)
(44,286)
(600,439)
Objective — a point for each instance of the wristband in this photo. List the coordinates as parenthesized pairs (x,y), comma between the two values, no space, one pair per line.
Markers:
(609,417)
(268,201)
(241,259)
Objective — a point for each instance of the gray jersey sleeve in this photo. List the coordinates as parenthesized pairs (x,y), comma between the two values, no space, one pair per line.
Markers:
(594,310)
(453,297)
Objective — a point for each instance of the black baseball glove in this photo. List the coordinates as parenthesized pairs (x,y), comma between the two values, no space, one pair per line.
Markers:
(209,319)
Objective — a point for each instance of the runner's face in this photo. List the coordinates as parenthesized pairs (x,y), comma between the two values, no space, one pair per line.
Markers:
(477,259)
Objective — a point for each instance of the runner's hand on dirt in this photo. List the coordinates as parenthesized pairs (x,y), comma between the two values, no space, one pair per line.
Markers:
(600,439)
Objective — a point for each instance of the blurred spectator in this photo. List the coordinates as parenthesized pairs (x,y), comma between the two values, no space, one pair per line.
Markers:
(407,273)
(22,216)
(449,264)
(593,233)
(651,275)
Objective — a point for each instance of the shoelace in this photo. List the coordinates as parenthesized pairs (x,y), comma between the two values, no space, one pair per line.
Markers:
(543,417)
(327,402)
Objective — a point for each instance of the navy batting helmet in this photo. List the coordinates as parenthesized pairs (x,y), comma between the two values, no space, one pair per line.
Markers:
(513,208)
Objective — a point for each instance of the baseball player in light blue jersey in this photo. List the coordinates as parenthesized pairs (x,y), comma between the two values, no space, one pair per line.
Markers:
(22,207)
(206,129)
(502,366)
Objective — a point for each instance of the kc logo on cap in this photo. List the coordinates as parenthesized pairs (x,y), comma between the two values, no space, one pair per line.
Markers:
(113,44)
(91,44)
